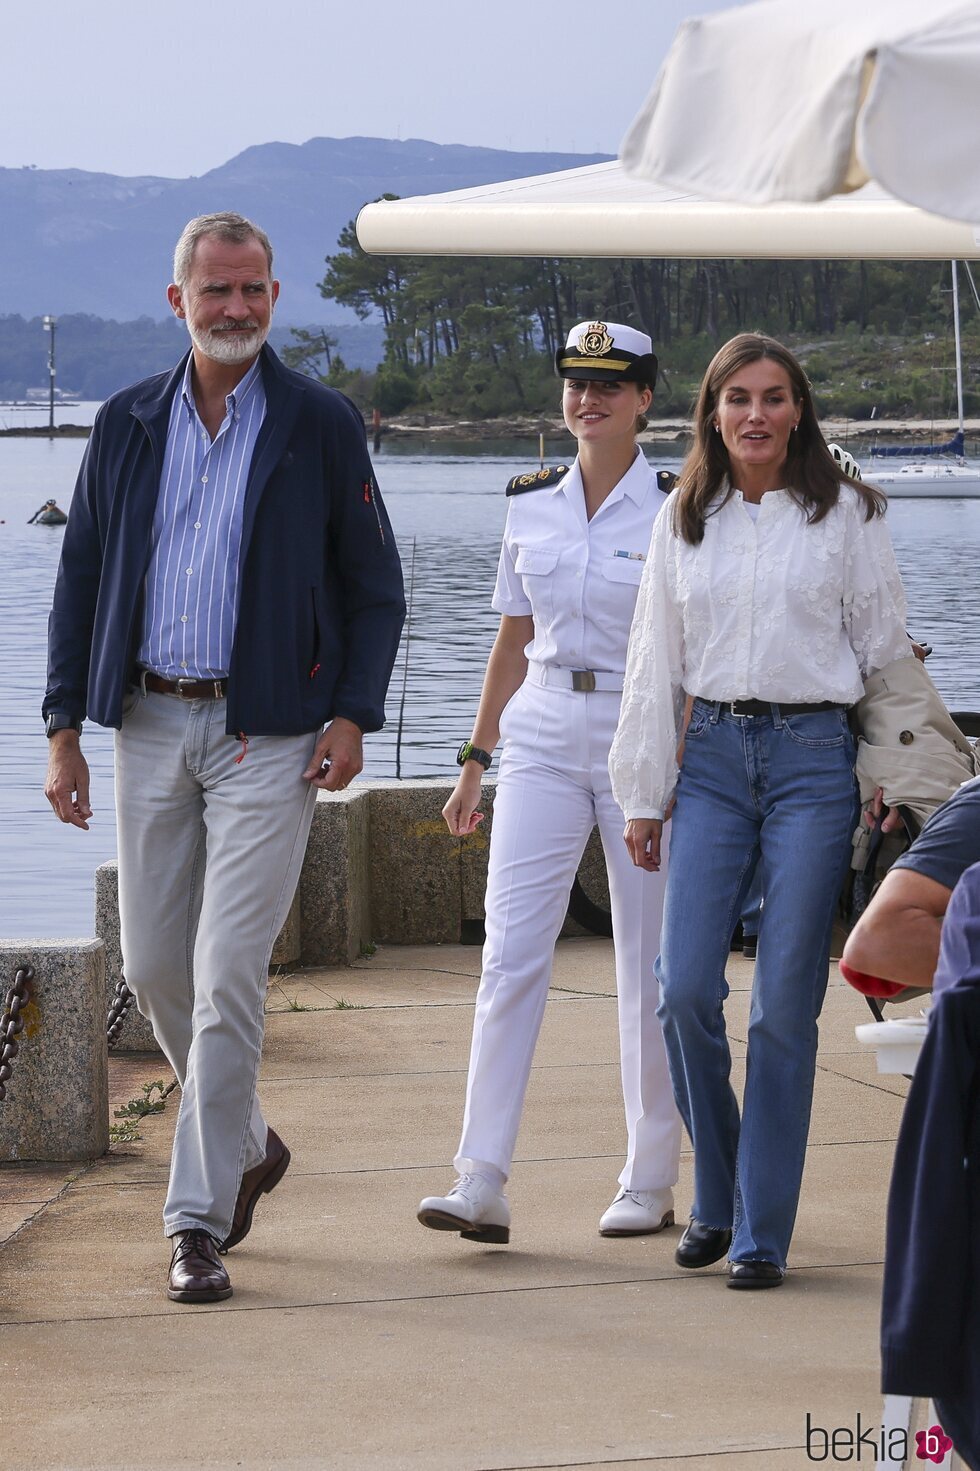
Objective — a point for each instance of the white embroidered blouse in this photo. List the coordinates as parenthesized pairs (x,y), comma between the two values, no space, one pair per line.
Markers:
(767,609)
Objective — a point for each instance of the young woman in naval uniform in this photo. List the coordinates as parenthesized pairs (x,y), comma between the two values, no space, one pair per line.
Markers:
(570,566)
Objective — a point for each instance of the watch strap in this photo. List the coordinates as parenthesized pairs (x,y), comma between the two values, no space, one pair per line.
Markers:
(58,720)
(469,752)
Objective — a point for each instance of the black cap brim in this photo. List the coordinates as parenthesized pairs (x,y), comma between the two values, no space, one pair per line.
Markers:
(625,368)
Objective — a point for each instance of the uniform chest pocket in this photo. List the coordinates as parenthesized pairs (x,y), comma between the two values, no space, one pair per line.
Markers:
(535,561)
(536,567)
(622,569)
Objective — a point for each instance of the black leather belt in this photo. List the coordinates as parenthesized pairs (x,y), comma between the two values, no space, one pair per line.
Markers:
(767,707)
(187,689)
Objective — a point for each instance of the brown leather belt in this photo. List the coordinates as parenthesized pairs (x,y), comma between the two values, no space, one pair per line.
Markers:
(187,689)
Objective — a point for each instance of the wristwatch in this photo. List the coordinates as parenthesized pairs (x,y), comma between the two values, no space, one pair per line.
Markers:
(57,720)
(469,752)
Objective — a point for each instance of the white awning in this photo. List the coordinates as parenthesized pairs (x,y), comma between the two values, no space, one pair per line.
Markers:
(600,211)
(781,100)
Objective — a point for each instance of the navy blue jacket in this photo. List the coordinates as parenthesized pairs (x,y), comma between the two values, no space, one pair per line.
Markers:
(930,1325)
(321,602)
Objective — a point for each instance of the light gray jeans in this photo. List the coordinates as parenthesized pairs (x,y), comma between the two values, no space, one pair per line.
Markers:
(210,853)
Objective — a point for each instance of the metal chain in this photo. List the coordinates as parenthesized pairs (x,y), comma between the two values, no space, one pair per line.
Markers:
(122,1000)
(12,1023)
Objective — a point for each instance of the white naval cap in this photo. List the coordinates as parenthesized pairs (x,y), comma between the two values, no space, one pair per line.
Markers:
(607,350)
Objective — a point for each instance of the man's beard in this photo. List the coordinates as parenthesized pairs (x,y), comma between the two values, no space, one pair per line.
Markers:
(228,345)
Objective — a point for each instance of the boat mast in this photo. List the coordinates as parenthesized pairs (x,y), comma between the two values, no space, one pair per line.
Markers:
(959,354)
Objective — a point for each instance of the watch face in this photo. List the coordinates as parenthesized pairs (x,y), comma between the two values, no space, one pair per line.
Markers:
(469,752)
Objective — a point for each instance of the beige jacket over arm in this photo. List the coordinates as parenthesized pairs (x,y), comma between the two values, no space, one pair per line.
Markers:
(909,745)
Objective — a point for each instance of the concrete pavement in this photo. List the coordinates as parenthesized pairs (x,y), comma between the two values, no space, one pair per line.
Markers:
(357,1339)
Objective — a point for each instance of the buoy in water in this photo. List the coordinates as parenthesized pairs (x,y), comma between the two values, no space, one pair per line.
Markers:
(50,514)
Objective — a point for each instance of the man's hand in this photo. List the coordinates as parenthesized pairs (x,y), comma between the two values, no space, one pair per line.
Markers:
(67,783)
(337,756)
(642,838)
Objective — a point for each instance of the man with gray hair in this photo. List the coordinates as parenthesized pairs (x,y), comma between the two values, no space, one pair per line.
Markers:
(229,586)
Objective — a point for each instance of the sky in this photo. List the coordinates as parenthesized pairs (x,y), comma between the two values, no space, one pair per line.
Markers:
(133,87)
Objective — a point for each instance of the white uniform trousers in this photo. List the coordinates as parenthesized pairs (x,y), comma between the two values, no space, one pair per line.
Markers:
(210,853)
(552,788)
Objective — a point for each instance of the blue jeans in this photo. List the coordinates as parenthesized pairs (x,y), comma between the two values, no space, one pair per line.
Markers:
(781,794)
(751,915)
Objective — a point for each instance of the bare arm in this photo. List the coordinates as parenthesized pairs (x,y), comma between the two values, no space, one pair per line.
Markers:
(897,936)
(506,669)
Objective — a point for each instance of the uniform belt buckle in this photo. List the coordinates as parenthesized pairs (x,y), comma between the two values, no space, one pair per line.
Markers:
(583,680)
(741,712)
(181,689)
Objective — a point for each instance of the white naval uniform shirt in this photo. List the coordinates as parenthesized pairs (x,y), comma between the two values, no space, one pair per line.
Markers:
(578,579)
(769,608)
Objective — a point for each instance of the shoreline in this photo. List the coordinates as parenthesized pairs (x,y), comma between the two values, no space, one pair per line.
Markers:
(37,431)
(428,426)
(431,427)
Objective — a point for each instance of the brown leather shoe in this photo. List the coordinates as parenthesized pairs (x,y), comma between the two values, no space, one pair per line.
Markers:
(259,1180)
(197,1273)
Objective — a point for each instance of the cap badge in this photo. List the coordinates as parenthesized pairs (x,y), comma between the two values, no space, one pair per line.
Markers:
(595,341)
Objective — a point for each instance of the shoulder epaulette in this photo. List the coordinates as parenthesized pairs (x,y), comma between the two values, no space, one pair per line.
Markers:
(666,479)
(536,479)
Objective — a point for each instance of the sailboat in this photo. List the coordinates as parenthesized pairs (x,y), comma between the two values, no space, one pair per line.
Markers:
(934,471)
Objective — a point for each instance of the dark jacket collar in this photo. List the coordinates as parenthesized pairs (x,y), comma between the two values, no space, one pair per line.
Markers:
(282,388)
(155,395)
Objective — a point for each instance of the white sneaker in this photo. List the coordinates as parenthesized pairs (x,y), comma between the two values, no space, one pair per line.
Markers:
(472,1207)
(638,1213)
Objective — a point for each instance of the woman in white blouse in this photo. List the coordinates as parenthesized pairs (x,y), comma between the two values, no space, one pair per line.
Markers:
(570,566)
(770,593)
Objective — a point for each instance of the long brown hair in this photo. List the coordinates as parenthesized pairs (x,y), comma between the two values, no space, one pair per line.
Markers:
(812,475)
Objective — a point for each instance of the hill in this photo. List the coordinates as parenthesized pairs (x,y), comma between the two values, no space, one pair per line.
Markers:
(98,244)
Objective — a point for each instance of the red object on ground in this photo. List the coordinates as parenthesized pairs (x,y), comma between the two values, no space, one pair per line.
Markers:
(869,985)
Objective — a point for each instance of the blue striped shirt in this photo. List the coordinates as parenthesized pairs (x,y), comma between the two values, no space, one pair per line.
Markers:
(192,577)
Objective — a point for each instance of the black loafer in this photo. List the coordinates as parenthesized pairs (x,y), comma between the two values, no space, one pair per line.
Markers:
(702,1245)
(754,1275)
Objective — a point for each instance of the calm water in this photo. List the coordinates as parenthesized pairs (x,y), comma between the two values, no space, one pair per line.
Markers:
(451,506)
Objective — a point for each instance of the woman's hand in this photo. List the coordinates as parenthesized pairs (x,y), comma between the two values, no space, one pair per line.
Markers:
(893,818)
(460,811)
(642,838)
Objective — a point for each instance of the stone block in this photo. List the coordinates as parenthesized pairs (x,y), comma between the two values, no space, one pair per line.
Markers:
(57,1103)
(416,864)
(335,884)
(474,853)
(286,950)
(137,1034)
(474,856)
